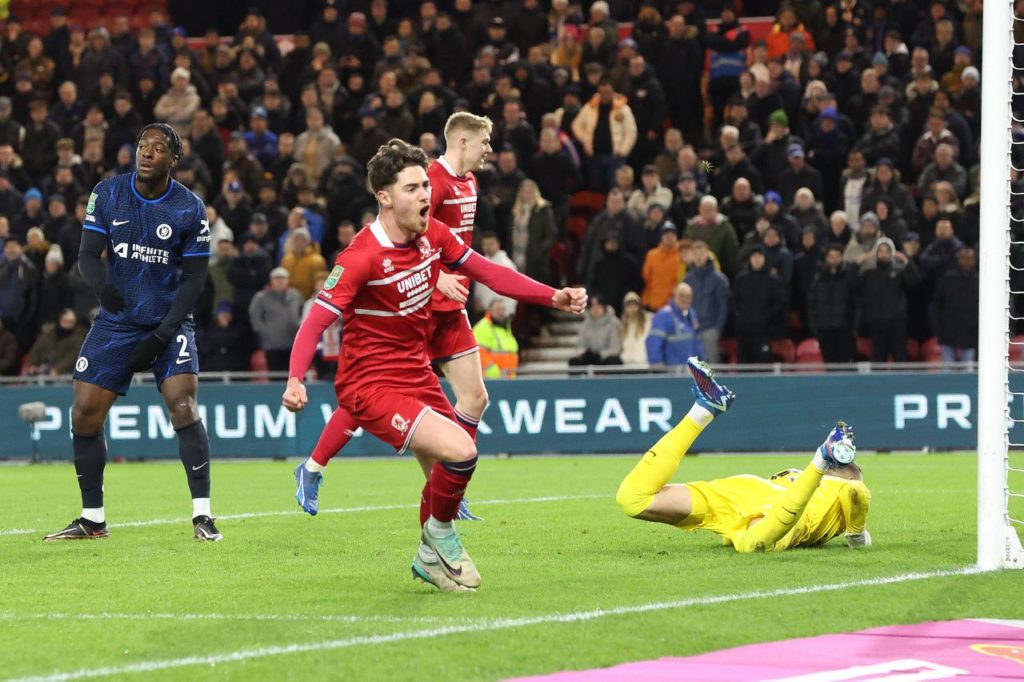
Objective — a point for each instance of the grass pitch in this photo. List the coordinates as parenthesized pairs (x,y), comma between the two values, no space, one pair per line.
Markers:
(569,582)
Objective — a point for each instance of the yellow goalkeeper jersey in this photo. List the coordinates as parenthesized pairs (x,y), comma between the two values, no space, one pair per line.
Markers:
(837,506)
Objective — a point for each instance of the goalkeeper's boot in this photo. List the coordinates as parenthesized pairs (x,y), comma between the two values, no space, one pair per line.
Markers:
(431,573)
(464,514)
(711,395)
(454,560)
(205,529)
(80,529)
(839,448)
(308,484)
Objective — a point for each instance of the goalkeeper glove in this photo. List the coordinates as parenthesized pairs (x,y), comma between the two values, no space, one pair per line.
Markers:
(146,353)
(111,298)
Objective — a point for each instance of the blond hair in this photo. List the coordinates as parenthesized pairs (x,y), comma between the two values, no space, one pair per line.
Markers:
(463,121)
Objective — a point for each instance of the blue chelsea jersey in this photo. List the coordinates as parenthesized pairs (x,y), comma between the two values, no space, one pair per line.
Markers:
(147,242)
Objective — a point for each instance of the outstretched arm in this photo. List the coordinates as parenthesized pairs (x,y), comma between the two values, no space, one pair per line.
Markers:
(303,350)
(508,282)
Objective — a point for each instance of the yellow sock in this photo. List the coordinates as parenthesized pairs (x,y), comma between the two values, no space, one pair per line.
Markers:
(659,464)
(783,514)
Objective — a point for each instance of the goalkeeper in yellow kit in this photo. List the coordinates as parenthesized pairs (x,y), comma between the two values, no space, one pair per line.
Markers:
(793,509)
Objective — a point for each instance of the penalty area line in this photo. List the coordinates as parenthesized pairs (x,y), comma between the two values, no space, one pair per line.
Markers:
(489,625)
(338,510)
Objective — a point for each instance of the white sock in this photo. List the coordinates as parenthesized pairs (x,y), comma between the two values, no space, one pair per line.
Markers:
(95,515)
(440,529)
(818,462)
(700,414)
(312,466)
(427,555)
(201,507)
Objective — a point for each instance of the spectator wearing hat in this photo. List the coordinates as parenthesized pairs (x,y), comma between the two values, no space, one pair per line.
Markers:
(636,326)
(728,45)
(687,201)
(771,156)
(661,268)
(650,192)
(600,336)
(775,213)
(832,304)
(882,139)
(680,67)
(937,133)
(56,349)
(861,249)
(616,272)
(31,215)
(246,168)
(260,139)
(234,206)
(19,292)
(55,294)
(179,103)
(882,290)
(710,299)
(828,147)
(248,272)
(607,131)
(890,222)
(674,335)
(807,214)
(328,28)
(886,181)
(274,314)
(759,304)
(898,54)
(225,345)
(800,174)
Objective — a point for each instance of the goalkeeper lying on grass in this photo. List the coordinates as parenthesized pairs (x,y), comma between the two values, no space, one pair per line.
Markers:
(794,509)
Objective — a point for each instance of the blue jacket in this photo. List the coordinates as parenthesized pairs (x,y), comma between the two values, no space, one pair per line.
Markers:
(710,295)
(673,336)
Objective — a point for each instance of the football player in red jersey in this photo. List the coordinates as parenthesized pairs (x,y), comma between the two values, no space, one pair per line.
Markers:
(382,285)
(452,346)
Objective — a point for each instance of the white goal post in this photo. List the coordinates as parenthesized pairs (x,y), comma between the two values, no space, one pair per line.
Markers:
(999,543)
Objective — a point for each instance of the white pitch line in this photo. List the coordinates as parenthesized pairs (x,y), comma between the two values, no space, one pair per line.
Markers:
(339,510)
(485,626)
(259,617)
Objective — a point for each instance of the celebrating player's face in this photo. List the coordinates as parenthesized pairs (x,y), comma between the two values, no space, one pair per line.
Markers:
(409,199)
(153,157)
(478,148)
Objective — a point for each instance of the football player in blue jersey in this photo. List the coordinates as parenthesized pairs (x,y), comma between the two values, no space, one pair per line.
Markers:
(157,240)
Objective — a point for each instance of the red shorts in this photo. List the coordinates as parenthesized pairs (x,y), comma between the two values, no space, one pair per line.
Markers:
(449,335)
(392,412)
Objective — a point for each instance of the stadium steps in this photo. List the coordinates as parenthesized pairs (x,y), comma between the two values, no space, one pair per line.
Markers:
(544,341)
(550,354)
(553,347)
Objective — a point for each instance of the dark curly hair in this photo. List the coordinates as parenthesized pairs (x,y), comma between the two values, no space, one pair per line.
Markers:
(390,160)
(172,137)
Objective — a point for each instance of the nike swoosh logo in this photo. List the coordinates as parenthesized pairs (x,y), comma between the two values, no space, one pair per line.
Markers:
(451,569)
(200,466)
(118,223)
(182,361)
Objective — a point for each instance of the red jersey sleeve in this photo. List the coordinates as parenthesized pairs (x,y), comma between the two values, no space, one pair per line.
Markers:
(454,251)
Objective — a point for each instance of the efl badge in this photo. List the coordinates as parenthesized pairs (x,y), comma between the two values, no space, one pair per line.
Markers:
(333,278)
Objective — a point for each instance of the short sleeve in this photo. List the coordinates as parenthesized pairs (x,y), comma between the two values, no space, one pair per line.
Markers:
(343,282)
(196,240)
(96,210)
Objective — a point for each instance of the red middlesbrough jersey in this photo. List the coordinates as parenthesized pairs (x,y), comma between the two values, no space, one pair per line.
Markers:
(382,290)
(453,202)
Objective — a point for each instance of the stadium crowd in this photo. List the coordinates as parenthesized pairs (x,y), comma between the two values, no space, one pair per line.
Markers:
(717,195)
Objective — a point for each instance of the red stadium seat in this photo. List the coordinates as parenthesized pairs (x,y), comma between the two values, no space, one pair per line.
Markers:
(577,226)
(37,26)
(808,352)
(930,350)
(784,350)
(258,363)
(864,348)
(1017,349)
(913,350)
(728,349)
(592,202)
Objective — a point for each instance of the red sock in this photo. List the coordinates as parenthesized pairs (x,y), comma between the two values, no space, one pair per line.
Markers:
(468,424)
(425,503)
(447,486)
(336,435)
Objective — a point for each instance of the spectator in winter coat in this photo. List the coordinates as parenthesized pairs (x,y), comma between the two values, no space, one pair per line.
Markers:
(742,207)
(887,182)
(617,272)
(882,289)
(650,192)
(710,299)
(942,254)
(831,306)
(636,325)
(56,349)
(303,262)
(224,346)
(178,104)
(248,273)
(600,336)
(861,249)
(759,304)
(607,131)
(674,335)
(661,269)
(19,293)
(945,168)
(712,227)
(799,174)
(687,202)
(616,217)
(274,315)
(955,310)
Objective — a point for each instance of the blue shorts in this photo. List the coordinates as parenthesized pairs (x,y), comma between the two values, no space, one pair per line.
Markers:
(103,360)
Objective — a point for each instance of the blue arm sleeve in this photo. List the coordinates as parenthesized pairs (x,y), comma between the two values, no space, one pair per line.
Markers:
(656,340)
